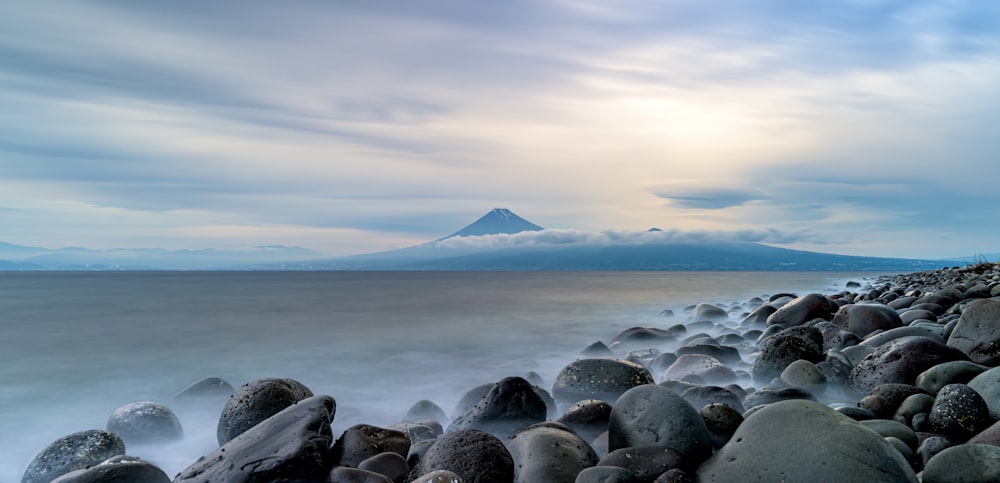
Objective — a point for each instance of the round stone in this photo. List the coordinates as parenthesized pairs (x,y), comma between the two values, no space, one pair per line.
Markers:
(604,379)
(652,415)
(145,422)
(73,452)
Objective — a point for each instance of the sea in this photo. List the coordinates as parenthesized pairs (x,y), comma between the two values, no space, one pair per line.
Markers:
(77,345)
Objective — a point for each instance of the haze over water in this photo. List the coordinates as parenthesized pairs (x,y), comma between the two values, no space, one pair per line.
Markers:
(77,345)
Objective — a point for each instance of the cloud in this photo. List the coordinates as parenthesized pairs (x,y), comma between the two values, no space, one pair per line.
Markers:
(707,198)
(557,237)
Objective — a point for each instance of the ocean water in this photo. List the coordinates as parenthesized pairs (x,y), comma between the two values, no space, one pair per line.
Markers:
(77,345)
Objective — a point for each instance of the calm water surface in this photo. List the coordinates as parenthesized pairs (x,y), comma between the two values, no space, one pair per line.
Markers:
(78,345)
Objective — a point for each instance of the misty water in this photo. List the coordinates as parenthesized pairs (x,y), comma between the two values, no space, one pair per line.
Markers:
(78,345)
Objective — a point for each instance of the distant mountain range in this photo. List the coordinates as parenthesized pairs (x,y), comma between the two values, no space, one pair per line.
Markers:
(499,240)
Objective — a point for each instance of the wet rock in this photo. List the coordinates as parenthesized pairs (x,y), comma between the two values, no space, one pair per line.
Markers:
(549,454)
(964,463)
(292,445)
(145,422)
(916,314)
(863,319)
(587,418)
(959,413)
(978,332)
(801,310)
(73,452)
(118,469)
(423,410)
(390,464)
(256,401)
(473,455)
(645,462)
(662,362)
(900,361)
(880,338)
(604,379)
(912,406)
(804,441)
(362,441)
(653,415)
(836,338)
(956,372)
(722,420)
(785,347)
(707,368)
(511,404)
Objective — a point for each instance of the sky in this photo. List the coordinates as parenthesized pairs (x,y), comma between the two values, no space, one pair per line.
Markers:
(861,127)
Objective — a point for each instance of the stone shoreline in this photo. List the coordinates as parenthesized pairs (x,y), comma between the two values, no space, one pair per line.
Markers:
(893,379)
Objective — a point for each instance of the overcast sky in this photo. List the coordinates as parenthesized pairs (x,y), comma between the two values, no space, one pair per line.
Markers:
(865,127)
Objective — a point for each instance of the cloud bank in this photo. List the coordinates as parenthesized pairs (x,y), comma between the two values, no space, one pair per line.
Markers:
(557,237)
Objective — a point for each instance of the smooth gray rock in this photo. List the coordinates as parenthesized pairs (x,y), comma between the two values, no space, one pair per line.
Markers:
(145,422)
(389,464)
(900,361)
(645,462)
(606,474)
(707,368)
(955,372)
(473,455)
(863,319)
(965,463)
(73,452)
(344,474)
(292,445)
(722,420)
(604,379)
(549,454)
(587,418)
(893,429)
(256,401)
(805,441)
(701,396)
(883,337)
(118,469)
(987,384)
(709,312)
(978,332)
(655,416)
(801,310)
(423,410)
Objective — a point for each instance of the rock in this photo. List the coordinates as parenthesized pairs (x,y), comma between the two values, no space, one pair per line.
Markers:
(603,379)
(362,441)
(771,395)
(643,336)
(836,338)
(587,418)
(893,429)
(440,476)
(863,319)
(256,401)
(117,469)
(978,332)
(917,314)
(987,385)
(655,416)
(292,445)
(912,406)
(785,347)
(73,452)
(707,368)
(801,310)
(607,474)
(884,399)
(964,463)
(959,413)
(880,338)
(415,432)
(701,396)
(145,422)
(549,454)
(758,317)
(207,395)
(709,312)
(803,374)
(725,354)
(928,448)
(722,420)
(423,410)
(662,362)
(343,474)
(389,464)
(471,398)
(900,361)
(473,455)
(804,441)
(675,475)
(511,405)
(597,349)
(990,435)
(645,462)
(856,413)
(955,372)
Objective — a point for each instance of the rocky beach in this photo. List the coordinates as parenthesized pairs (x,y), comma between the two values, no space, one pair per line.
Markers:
(890,379)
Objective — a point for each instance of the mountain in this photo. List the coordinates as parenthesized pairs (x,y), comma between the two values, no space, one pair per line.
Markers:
(499,221)
(17,257)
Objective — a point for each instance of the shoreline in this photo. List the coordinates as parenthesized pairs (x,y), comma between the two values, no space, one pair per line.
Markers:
(735,361)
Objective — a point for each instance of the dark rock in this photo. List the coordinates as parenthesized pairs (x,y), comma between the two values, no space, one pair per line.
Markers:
(645,462)
(118,469)
(415,432)
(771,395)
(475,456)
(758,317)
(879,338)
(389,463)
(417,451)
(439,476)
(785,347)
(836,338)
(955,372)
(603,379)
(928,448)
(804,441)
(662,362)
(256,401)
(210,393)
(362,441)
(73,452)
(343,474)
(534,378)
(805,375)
(423,410)
(708,369)
(893,429)
(643,336)
(722,420)
(959,413)
(856,413)
(902,302)
(471,398)
(978,332)
(915,314)
(884,399)
(606,474)
(145,422)
(292,445)
(900,361)
(597,349)
(512,404)
(912,406)
(701,396)
(653,415)
(935,309)
(588,418)
(801,310)
(863,319)
(675,475)
(709,312)
(964,463)
(725,354)
(549,454)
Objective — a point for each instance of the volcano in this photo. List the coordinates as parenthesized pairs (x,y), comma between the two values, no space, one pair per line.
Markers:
(500,221)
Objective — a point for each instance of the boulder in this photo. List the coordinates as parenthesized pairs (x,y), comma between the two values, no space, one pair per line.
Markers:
(959,413)
(964,463)
(805,441)
(707,368)
(652,415)
(510,405)
(549,454)
(725,354)
(701,396)
(423,410)
(292,445)
(145,422)
(709,312)
(475,456)
(785,347)
(801,310)
(900,361)
(955,372)
(603,379)
(987,384)
(722,420)
(256,401)
(978,332)
(470,398)
(863,319)
(587,418)
(118,469)
(362,441)
(73,452)
(389,464)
